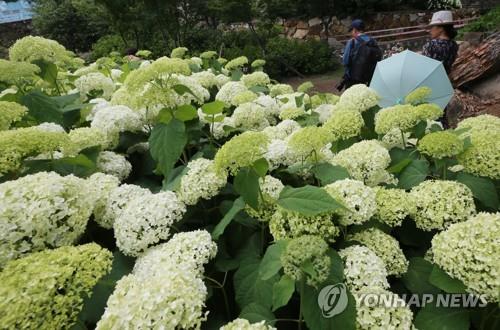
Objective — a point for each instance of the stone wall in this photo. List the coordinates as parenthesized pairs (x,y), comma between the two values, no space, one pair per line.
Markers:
(10,32)
(315,28)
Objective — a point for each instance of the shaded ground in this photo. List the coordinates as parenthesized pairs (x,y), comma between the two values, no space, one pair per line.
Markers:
(322,82)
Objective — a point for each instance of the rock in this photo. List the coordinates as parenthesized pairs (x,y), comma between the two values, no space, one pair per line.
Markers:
(290,23)
(291,31)
(300,33)
(315,30)
(413,18)
(314,21)
(302,25)
(335,44)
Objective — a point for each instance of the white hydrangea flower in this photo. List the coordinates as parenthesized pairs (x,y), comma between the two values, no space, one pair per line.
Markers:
(165,289)
(469,251)
(51,127)
(366,161)
(116,74)
(269,104)
(222,79)
(283,130)
(356,197)
(100,186)
(40,211)
(229,90)
(370,316)
(218,130)
(110,162)
(386,247)
(113,120)
(250,116)
(244,324)
(325,111)
(278,154)
(146,220)
(190,249)
(271,189)
(205,78)
(118,199)
(173,300)
(201,181)
(95,81)
(359,97)
(362,268)
(97,104)
(394,139)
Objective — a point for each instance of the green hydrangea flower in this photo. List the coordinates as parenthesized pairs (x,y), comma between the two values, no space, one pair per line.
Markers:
(393,205)
(402,117)
(305,87)
(236,63)
(242,150)
(428,111)
(439,203)
(23,142)
(280,89)
(324,98)
(30,49)
(45,290)
(243,324)
(257,78)
(307,248)
(86,137)
(209,54)
(291,113)
(469,251)
(243,97)
(344,124)
(271,189)
(482,158)
(178,52)
(307,142)
(479,124)
(418,96)
(17,73)
(385,247)
(258,64)
(10,112)
(286,224)
(440,144)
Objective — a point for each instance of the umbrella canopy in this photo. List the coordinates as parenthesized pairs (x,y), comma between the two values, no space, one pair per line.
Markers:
(400,74)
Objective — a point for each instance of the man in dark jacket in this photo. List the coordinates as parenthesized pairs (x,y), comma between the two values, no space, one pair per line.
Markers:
(360,57)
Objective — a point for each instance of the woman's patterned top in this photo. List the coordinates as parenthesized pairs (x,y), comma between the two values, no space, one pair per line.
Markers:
(443,50)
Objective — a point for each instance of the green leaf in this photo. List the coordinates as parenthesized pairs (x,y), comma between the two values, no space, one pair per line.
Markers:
(313,315)
(164,116)
(48,71)
(173,182)
(238,205)
(259,89)
(483,189)
(166,144)
(486,317)
(271,263)
(183,89)
(398,155)
(185,112)
(261,166)
(416,279)
(255,312)
(336,274)
(249,287)
(419,130)
(93,306)
(307,200)
(445,282)
(413,174)
(327,173)
(368,131)
(397,168)
(213,108)
(246,183)
(42,107)
(283,291)
(432,317)
(236,75)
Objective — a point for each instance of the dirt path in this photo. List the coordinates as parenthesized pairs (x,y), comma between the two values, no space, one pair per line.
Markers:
(322,83)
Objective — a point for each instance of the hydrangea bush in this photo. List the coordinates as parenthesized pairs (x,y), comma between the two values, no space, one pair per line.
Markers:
(195,193)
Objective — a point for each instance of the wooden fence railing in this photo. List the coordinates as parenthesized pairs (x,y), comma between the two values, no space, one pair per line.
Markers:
(403,34)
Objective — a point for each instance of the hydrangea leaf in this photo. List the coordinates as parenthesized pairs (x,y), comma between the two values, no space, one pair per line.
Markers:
(283,291)
(432,317)
(166,143)
(445,282)
(255,312)
(246,183)
(238,205)
(213,108)
(483,189)
(271,263)
(413,174)
(307,200)
(416,278)
(327,173)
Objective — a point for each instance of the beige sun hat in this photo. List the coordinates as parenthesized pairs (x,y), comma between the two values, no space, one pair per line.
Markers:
(444,17)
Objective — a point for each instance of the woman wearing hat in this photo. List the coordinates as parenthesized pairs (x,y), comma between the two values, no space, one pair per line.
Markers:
(442,47)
